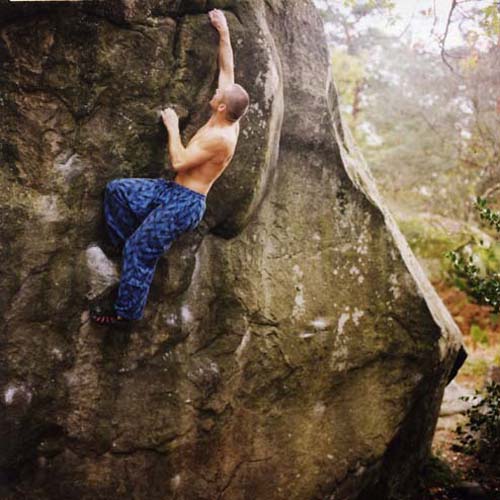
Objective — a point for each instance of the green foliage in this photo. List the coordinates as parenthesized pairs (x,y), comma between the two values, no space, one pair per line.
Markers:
(410,104)
(485,289)
(475,367)
(430,238)
(427,137)
(491,20)
(438,473)
(367,6)
(350,76)
(369,3)
(488,215)
(496,359)
(344,19)
(349,71)
(479,335)
(481,434)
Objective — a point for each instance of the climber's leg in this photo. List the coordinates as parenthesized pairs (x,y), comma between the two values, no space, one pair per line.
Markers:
(127,202)
(181,210)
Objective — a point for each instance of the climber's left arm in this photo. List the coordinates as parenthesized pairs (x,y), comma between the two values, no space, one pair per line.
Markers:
(175,147)
(205,148)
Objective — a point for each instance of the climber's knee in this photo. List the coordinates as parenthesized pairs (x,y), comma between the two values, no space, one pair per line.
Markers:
(112,186)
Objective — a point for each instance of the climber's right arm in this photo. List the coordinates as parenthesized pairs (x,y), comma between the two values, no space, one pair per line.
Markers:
(226,62)
(226,58)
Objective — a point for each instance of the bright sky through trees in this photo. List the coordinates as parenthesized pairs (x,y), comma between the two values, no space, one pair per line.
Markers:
(425,116)
(423,21)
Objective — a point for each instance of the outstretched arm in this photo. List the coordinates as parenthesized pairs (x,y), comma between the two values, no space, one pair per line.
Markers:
(226,59)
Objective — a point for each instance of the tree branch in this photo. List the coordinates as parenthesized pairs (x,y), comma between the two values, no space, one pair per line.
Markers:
(443,41)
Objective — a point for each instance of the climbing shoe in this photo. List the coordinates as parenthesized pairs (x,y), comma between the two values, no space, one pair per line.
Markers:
(106,316)
(102,311)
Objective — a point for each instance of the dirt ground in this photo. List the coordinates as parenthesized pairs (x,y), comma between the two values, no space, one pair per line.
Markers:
(483,349)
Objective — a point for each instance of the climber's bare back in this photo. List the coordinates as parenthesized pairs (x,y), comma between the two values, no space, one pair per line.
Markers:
(202,177)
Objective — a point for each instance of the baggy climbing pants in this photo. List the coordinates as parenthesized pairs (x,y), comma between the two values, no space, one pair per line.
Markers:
(145,216)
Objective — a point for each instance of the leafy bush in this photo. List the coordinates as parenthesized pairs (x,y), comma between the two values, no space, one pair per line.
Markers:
(481,435)
(484,289)
(493,218)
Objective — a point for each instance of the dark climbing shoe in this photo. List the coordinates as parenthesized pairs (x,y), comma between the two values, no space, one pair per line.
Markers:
(101,309)
(108,320)
(106,316)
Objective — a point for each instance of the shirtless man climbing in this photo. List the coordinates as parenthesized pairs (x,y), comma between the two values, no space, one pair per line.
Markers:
(144,216)
(212,147)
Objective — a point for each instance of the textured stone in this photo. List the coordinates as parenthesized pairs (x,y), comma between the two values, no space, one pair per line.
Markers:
(452,402)
(292,345)
(102,272)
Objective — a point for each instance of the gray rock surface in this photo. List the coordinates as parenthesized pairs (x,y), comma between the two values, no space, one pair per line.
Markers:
(292,347)
(102,272)
(452,402)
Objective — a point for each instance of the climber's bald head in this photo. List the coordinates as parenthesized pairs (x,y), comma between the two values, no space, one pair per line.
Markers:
(236,101)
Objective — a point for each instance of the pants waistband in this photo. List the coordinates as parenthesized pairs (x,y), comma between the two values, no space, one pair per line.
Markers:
(191,191)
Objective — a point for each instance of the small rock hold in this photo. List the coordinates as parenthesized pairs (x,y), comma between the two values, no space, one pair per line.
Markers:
(207,424)
(102,271)
(17,394)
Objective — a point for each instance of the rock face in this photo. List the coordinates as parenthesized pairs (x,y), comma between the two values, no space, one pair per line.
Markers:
(292,346)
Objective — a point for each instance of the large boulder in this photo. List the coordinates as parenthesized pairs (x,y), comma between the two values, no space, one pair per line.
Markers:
(292,346)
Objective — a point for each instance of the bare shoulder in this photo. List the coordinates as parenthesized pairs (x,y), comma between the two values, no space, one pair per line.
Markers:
(220,140)
(217,141)
(211,137)
(226,136)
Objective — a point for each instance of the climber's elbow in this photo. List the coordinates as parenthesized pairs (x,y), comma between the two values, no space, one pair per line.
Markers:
(181,166)
(177,162)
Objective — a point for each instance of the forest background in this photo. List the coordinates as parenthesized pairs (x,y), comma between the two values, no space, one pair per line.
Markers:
(419,87)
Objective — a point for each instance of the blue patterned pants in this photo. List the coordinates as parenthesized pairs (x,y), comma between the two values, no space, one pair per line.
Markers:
(146,216)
